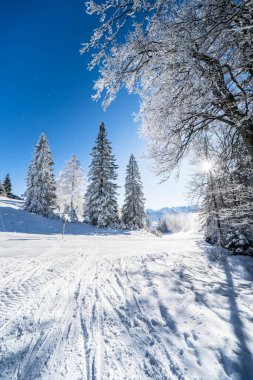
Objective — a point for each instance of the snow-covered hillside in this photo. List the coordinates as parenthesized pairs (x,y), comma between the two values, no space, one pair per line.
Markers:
(14,219)
(101,304)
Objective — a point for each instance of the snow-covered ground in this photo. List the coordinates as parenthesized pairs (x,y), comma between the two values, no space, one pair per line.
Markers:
(102,304)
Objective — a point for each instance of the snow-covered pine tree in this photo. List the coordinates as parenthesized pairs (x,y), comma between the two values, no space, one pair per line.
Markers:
(7,185)
(70,190)
(133,214)
(101,207)
(162,225)
(40,193)
(2,190)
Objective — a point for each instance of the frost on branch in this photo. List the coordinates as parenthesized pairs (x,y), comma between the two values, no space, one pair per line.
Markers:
(190,62)
(225,190)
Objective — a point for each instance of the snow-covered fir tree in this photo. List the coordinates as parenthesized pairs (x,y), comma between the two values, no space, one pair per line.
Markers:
(133,214)
(7,185)
(101,207)
(2,190)
(162,225)
(41,190)
(70,190)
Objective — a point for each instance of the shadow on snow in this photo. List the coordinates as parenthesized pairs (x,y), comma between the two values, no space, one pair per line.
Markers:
(20,221)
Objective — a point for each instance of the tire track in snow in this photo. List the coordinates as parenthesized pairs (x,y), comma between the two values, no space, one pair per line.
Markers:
(58,343)
(17,289)
(51,336)
(90,324)
(14,300)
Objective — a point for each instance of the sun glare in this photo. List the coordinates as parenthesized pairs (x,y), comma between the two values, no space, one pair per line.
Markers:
(206,165)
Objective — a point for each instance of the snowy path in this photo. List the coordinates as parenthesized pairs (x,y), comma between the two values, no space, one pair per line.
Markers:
(122,307)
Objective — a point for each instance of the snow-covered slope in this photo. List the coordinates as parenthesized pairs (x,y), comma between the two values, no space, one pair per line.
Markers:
(14,219)
(101,306)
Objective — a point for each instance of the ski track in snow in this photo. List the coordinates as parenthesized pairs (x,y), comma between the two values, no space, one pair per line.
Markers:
(123,307)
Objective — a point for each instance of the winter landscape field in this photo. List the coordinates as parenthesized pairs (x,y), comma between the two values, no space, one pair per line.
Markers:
(126,190)
(105,304)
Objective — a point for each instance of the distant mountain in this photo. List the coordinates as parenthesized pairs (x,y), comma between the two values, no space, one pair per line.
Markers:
(155,215)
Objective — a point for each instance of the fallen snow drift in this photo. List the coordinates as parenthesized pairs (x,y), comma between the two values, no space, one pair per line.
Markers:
(103,306)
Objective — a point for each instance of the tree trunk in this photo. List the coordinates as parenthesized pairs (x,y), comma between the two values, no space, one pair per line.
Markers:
(247,135)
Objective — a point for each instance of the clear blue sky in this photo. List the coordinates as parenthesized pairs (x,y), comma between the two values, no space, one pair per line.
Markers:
(46,87)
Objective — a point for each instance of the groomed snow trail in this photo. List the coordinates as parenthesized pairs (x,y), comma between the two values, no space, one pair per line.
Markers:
(122,307)
(117,307)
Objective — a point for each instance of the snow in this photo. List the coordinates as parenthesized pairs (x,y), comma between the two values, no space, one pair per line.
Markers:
(106,304)
(155,215)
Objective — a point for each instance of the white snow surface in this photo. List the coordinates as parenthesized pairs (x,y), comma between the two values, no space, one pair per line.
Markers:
(105,304)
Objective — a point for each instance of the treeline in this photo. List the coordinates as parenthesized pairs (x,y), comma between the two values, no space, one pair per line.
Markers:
(66,197)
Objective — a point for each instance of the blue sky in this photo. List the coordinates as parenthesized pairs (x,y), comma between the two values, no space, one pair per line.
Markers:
(46,87)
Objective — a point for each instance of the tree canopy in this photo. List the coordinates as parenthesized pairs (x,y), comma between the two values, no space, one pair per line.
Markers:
(191,62)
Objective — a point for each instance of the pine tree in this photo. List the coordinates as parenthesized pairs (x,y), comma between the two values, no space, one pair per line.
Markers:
(7,185)
(70,190)
(133,214)
(40,193)
(2,190)
(162,225)
(101,207)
